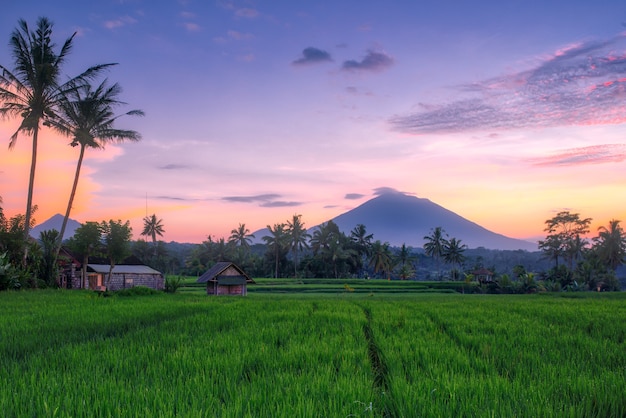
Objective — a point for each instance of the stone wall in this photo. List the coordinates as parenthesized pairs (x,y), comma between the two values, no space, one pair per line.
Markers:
(128,280)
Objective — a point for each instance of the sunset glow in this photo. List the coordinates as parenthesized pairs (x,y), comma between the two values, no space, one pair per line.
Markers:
(256,111)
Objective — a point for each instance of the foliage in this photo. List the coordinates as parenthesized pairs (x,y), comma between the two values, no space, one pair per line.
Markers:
(564,239)
(49,267)
(298,237)
(435,246)
(173,283)
(136,291)
(610,244)
(277,245)
(116,236)
(34,89)
(152,226)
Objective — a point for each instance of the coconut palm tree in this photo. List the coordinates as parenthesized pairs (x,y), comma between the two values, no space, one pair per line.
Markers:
(242,238)
(153,226)
(436,245)
(362,242)
(87,116)
(298,239)
(453,254)
(381,259)
(277,243)
(33,89)
(611,244)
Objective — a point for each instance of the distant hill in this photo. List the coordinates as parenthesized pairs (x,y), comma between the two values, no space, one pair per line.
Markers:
(402,219)
(56,222)
(399,218)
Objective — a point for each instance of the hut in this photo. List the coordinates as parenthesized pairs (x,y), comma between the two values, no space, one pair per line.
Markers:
(225,278)
(123,276)
(129,273)
(483,275)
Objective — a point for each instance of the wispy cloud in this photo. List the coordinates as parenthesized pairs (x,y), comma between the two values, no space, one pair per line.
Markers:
(247,13)
(597,154)
(353,196)
(269,200)
(119,22)
(312,55)
(384,190)
(174,167)
(373,61)
(192,27)
(581,84)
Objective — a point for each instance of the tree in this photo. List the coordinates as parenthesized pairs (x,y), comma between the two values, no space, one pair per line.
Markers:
(404,259)
(362,242)
(564,239)
(297,239)
(87,240)
(277,243)
(49,268)
(87,116)
(436,245)
(453,253)
(381,258)
(242,238)
(153,226)
(117,242)
(610,244)
(33,89)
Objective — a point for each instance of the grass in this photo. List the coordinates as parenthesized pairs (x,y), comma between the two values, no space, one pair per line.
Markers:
(340,354)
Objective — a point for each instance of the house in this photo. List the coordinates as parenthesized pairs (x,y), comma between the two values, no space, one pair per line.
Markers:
(225,278)
(129,273)
(483,275)
(123,276)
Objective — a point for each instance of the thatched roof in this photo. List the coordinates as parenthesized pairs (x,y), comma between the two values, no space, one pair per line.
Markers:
(122,269)
(214,273)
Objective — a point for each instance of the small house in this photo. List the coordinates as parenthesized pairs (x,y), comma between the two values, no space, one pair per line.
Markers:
(123,276)
(483,275)
(129,273)
(225,278)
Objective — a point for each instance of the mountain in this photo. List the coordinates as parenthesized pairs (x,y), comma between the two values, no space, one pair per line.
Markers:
(56,222)
(402,219)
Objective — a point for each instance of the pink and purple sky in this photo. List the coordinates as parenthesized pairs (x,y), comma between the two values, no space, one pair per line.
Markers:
(504,112)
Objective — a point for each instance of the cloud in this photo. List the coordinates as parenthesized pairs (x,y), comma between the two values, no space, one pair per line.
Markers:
(247,13)
(279,204)
(239,36)
(353,196)
(192,27)
(373,61)
(597,154)
(119,22)
(580,84)
(252,199)
(312,55)
(384,190)
(174,167)
(264,200)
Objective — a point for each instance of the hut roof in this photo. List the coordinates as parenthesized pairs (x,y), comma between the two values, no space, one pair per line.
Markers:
(214,272)
(122,269)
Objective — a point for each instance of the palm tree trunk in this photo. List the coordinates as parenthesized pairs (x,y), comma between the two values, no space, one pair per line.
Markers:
(31,186)
(72,195)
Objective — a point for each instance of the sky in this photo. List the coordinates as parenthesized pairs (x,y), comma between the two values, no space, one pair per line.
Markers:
(505,112)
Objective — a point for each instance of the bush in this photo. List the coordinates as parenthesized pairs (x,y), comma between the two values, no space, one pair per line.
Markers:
(172,283)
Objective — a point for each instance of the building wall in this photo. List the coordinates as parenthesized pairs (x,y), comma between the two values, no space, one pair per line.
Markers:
(125,281)
(215,289)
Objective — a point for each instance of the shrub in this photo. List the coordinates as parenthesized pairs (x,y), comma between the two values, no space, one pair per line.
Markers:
(172,283)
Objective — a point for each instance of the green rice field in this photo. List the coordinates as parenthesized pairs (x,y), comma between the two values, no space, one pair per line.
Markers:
(312,354)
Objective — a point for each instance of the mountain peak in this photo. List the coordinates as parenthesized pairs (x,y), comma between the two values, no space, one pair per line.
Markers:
(56,222)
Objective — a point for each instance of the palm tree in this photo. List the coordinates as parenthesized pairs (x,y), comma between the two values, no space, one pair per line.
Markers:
(611,244)
(152,226)
(87,116)
(277,243)
(453,253)
(381,259)
(298,239)
(362,242)
(405,259)
(436,245)
(33,89)
(242,238)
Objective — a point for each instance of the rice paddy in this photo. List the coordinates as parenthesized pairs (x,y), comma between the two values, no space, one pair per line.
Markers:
(341,354)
